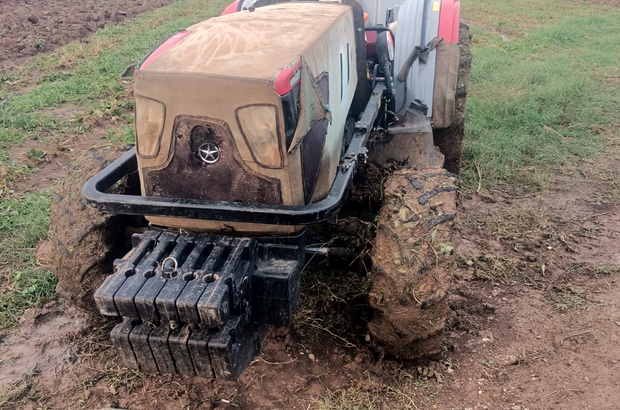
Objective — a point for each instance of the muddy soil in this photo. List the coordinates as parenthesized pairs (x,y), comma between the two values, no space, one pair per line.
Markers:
(30,27)
(40,342)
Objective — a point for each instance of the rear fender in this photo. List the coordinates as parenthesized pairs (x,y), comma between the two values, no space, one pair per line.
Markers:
(449,20)
(417,26)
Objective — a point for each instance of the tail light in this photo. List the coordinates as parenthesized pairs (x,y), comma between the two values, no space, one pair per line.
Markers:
(231,8)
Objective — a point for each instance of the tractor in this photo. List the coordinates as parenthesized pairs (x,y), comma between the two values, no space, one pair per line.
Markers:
(249,128)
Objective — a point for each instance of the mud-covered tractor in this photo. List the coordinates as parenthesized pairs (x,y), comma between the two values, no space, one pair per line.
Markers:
(250,127)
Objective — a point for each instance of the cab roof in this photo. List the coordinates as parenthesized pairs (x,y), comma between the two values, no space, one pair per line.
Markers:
(248,44)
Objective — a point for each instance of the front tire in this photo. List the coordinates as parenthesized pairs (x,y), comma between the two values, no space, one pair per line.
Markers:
(84,241)
(412,260)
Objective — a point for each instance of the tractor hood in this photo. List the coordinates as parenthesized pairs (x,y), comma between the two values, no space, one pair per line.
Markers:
(248,45)
(223,109)
(244,59)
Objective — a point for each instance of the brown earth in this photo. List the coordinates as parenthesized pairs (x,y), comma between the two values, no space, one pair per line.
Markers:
(30,27)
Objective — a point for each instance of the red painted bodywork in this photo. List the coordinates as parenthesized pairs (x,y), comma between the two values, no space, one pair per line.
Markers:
(282,82)
(449,20)
(371,43)
(231,8)
(165,46)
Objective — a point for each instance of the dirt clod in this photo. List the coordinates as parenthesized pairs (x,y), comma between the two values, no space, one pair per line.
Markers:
(507,360)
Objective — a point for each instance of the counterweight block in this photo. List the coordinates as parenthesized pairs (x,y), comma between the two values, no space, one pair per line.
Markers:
(198,304)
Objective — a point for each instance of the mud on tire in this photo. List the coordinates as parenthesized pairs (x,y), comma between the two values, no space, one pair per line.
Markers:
(412,257)
(83,241)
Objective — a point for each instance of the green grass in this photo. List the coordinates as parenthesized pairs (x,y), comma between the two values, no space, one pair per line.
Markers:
(24,284)
(536,99)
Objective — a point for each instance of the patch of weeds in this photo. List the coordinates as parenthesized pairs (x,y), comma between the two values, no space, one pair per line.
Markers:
(115,107)
(335,302)
(569,297)
(373,393)
(521,222)
(39,44)
(111,134)
(17,397)
(605,270)
(590,232)
(116,377)
(128,135)
(520,231)
(31,286)
(36,154)
(24,284)
(79,124)
(95,341)
(500,269)
(7,77)
(125,135)
(97,344)
(9,173)
(610,196)
(53,76)
(350,398)
(595,270)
